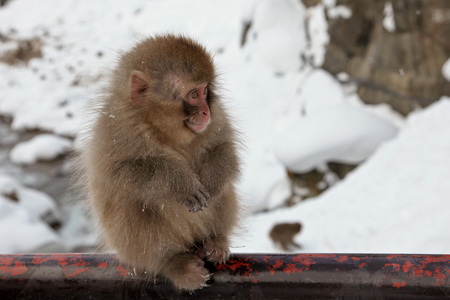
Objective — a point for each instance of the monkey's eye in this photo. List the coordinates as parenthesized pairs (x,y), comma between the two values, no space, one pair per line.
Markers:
(205,91)
(194,94)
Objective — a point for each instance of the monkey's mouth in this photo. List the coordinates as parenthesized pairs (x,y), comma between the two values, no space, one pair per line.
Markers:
(197,127)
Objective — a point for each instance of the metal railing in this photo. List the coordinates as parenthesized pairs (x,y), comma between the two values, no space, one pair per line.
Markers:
(245,276)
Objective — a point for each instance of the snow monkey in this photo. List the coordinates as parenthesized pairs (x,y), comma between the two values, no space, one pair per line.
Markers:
(283,234)
(160,162)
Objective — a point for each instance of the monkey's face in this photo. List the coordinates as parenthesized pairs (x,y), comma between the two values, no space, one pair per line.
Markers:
(172,83)
(196,108)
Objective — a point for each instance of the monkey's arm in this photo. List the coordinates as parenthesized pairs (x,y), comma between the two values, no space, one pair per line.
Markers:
(158,178)
(220,167)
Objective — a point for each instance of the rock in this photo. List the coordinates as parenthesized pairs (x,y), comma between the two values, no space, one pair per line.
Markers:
(401,68)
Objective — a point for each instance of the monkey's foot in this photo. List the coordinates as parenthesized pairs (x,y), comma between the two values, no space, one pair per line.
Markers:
(216,250)
(187,272)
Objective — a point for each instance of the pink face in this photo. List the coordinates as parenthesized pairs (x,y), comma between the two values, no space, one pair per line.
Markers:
(200,117)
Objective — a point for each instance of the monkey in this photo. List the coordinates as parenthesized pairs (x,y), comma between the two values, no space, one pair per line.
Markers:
(160,162)
(283,235)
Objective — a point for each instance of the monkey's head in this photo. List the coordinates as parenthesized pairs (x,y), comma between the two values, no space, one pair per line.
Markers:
(296,227)
(172,81)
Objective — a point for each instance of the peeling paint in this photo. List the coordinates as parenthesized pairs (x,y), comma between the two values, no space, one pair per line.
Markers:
(327,275)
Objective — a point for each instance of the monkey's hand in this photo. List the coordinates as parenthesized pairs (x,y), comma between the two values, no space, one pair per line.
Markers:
(198,197)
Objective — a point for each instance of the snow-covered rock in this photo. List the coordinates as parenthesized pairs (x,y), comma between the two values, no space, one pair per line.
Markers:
(41,147)
(344,134)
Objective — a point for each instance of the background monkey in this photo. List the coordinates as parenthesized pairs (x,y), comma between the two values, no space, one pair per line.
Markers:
(160,162)
(283,234)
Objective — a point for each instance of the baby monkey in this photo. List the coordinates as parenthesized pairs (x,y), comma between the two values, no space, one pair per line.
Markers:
(283,235)
(160,162)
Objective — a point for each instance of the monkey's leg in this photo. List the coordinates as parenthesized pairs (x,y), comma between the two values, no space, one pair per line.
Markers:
(295,245)
(285,245)
(186,271)
(216,249)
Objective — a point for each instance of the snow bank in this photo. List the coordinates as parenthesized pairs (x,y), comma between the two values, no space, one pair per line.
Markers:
(397,201)
(41,147)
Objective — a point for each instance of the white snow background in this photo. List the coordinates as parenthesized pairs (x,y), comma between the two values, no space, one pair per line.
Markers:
(289,113)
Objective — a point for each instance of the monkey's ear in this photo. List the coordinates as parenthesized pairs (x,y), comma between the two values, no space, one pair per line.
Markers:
(139,84)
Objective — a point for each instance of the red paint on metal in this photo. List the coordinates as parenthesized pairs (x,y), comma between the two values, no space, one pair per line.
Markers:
(5,263)
(399,284)
(391,256)
(342,258)
(407,266)
(291,269)
(278,263)
(18,269)
(305,261)
(440,277)
(276,276)
(122,271)
(396,267)
(70,266)
(233,264)
(12,266)
(60,258)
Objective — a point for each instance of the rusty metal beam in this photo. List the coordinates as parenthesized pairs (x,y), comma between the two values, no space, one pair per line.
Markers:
(254,276)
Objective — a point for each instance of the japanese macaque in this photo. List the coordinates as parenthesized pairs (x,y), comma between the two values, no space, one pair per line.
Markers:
(160,163)
(283,235)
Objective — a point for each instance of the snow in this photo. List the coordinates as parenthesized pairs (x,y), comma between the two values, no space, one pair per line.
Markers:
(21,227)
(388,21)
(342,134)
(277,36)
(314,98)
(393,202)
(446,70)
(319,38)
(41,147)
(339,11)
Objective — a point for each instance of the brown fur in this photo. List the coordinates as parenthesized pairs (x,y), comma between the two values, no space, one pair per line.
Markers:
(141,163)
(283,235)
